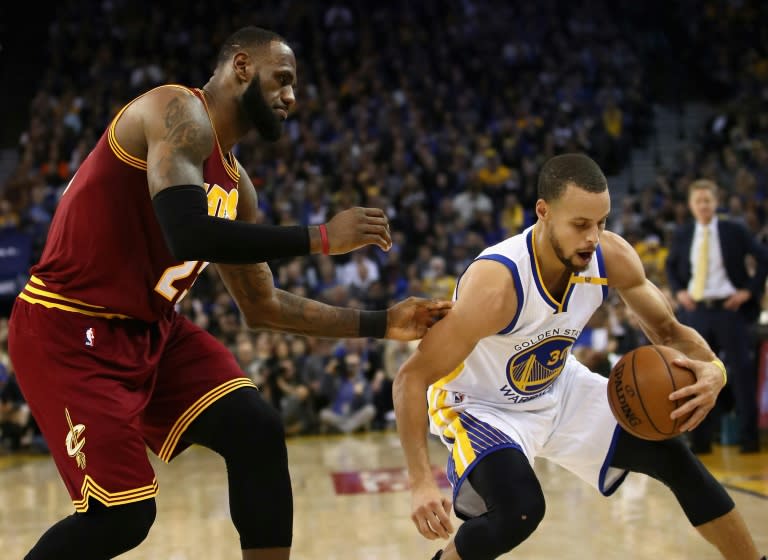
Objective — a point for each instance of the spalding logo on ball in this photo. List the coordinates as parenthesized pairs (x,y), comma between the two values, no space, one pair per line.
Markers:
(638,391)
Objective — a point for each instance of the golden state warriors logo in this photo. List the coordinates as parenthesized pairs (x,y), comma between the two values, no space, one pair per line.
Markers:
(535,368)
(74,442)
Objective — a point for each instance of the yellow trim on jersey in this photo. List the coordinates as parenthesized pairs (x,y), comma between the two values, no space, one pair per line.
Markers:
(51,295)
(195,410)
(233,170)
(37,281)
(230,166)
(574,279)
(118,150)
(589,280)
(463,454)
(441,414)
(51,305)
(537,272)
(436,395)
(90,489)
(450,377)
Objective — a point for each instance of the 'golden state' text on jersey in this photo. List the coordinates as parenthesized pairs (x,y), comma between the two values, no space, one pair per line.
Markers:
(518,366)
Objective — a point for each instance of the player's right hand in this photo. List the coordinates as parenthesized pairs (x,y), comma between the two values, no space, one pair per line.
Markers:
(431,512)
(358,227)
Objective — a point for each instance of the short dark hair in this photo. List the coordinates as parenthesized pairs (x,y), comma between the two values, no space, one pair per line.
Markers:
(561,170)
(246,37)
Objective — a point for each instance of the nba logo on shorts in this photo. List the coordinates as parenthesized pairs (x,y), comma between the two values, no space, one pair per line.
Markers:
(90,336)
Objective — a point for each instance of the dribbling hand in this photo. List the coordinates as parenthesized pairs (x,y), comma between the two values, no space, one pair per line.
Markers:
(358,227)
(700,397)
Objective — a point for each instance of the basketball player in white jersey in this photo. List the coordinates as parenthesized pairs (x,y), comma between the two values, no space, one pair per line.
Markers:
(502,387)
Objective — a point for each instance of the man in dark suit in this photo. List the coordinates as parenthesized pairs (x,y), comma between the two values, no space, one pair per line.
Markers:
(708,274)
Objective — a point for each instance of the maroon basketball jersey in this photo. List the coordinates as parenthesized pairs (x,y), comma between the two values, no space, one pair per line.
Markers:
(105,254)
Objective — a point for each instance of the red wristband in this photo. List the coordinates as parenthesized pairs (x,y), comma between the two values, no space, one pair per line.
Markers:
(324,240)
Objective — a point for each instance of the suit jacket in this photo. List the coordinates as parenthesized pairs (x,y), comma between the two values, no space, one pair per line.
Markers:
(736,242)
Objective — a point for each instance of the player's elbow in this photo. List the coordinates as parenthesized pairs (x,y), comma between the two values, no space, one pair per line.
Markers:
(398,387)
(407,380)
(261,314)
(256,323)
(181,249)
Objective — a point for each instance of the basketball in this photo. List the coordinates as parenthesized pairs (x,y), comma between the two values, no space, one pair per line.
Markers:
(638,391)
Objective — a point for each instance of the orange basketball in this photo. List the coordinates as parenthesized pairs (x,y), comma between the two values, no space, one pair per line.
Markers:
(638,391)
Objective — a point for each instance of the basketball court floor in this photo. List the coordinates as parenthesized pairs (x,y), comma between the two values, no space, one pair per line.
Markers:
(352,503)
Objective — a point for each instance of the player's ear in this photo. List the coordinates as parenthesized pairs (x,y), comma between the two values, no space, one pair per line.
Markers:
(542,209)
(240,65)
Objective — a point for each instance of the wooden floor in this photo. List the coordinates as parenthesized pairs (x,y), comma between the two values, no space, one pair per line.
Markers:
(351,504)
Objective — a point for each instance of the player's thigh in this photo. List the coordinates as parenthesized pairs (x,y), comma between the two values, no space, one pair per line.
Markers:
(585,432)
(195,371)
(85,401)
(478,431)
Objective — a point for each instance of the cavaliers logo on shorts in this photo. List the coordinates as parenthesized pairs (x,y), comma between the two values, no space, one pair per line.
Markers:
(536,368)
(74,442)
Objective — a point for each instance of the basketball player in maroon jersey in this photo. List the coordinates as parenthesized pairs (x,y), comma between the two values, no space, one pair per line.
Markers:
(109,367)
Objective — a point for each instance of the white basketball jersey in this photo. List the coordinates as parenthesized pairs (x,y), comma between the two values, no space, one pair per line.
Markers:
(518,366)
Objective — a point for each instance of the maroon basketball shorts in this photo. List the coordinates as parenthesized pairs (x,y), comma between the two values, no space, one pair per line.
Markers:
(103,390)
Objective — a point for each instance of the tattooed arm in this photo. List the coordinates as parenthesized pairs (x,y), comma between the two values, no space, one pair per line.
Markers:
(178,136)
(266,307)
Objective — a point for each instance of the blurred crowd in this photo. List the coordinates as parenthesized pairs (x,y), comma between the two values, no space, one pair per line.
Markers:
(438,112)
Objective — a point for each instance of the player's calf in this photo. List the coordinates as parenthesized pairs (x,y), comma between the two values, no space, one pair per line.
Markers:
(249,434)
(98,534)
(700,495)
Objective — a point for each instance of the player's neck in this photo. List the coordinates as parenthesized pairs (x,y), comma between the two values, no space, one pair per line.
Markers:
(554,274)
(221,108)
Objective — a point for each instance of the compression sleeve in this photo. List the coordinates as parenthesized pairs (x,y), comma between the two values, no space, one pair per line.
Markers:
(192,235)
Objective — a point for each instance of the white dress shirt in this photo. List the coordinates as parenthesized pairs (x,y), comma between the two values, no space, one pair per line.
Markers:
(717,285)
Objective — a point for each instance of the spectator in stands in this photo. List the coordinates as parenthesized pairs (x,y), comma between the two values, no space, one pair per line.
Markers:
(16,423)
(494,174)
(294,399)
(720,299)
(474,200)
(437,283)
(351,407)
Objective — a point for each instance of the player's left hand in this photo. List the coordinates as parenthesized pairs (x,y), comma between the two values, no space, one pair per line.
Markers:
(701,396)
(411,318)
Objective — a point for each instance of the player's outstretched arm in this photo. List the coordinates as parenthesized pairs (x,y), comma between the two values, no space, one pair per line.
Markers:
(657,319)
(486,303)
(179,138)
(265,307)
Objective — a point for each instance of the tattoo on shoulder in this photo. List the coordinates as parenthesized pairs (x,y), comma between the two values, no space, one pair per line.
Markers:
(182,131)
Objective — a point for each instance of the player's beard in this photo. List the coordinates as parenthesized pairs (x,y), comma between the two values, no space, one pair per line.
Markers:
(560,254)
(259,113)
